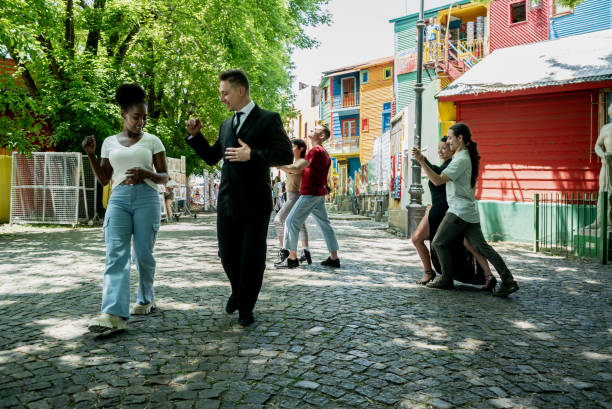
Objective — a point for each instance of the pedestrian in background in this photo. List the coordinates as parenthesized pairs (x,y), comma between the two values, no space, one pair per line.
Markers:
(294,179)
(313,190)
(135,161)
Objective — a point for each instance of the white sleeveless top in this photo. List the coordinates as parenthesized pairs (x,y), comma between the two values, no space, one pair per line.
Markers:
(139,155)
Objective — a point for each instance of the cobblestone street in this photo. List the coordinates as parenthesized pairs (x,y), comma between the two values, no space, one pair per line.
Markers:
(362,336)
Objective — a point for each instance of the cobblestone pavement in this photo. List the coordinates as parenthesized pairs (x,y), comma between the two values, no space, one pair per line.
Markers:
(363,336)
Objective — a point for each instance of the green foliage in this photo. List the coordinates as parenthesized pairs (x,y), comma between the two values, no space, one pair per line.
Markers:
(73,54)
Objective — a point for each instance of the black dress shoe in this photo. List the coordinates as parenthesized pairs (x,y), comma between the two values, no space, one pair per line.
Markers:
(288,263)
(330,262)
(231,306)
(305,257)
(282,255)
(246,319)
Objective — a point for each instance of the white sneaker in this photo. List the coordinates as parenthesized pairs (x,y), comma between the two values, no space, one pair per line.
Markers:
(106,322)
(143,309)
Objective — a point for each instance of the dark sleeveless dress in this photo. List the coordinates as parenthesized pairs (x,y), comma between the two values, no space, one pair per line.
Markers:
(465,267)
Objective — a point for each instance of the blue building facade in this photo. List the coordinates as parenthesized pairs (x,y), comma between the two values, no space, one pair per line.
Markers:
(588,16)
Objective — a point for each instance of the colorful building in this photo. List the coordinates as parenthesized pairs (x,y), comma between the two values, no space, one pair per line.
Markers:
(515,22)
(376,100)
(586,17)
(535,124)
(307,109)
(343,98)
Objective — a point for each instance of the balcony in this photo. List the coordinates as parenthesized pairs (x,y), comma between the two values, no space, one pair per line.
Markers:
(344,146)
(348,100)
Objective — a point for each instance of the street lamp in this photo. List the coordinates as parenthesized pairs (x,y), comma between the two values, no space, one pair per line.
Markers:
(416,210)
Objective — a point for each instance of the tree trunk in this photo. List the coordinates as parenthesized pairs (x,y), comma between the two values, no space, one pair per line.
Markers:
(69,28)
(93,37)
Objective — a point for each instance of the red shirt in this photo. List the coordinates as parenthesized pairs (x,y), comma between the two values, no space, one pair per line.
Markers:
(314,177)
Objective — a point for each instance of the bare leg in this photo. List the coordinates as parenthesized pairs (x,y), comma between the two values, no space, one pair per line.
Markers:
(418,239)
(169,209)
(480,259)
(280,239)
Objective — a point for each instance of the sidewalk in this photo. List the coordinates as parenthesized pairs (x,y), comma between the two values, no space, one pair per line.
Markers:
(363,336)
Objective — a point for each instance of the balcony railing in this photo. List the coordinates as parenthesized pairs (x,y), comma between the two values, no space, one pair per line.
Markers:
(346,100)
(344,145)
(451,56)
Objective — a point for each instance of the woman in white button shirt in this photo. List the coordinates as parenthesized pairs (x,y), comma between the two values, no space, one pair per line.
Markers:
(133,209)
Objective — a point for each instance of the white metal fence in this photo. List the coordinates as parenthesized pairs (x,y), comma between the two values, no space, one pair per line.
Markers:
(52,187)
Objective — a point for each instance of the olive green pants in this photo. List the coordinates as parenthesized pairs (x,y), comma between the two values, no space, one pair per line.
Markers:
(452,226)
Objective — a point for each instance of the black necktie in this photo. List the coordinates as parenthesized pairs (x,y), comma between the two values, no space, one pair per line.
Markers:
(237,121)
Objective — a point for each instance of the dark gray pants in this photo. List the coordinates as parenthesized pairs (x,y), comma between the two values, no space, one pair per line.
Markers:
(450,227)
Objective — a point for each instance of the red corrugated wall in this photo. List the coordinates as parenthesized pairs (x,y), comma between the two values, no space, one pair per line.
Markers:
(503,34)
(541,143)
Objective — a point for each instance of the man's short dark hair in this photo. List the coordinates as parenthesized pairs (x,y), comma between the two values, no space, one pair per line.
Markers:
(235,77)
(325,130)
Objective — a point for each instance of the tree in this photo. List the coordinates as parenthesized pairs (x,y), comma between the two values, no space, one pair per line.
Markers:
(72,54)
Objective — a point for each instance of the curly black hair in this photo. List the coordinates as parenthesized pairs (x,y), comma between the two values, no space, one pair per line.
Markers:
(130,94)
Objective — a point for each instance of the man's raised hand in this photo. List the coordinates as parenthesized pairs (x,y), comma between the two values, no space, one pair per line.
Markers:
(193,126)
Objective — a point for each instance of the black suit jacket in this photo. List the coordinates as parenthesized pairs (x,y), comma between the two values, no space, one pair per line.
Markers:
(245,186)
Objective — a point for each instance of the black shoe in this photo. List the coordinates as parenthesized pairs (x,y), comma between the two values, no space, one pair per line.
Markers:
(288,263)
(330,262)
(282,255)
(506,288)
(231,306)
(246,319)
(442,284)
(305,257)
(489,284)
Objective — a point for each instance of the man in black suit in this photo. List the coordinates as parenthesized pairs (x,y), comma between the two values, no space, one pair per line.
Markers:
(249,143)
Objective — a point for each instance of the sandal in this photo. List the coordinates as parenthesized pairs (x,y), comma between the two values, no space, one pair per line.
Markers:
(427,277)
(489,284)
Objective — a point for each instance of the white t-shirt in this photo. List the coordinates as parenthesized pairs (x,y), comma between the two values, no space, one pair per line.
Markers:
(459,193)
(139,155)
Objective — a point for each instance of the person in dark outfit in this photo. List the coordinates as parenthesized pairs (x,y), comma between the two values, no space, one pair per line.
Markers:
(465,268)
(462,217)
(249,143)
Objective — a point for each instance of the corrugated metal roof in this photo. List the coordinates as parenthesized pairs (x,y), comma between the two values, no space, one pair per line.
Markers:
(571,60)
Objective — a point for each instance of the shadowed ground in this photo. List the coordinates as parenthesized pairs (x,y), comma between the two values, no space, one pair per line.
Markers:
(363,336)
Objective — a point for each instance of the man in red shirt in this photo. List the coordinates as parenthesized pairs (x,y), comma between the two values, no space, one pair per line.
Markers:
(312,201)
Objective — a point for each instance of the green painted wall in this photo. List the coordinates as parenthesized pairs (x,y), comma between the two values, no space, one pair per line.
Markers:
(405,89)
(507,221)
(325,106)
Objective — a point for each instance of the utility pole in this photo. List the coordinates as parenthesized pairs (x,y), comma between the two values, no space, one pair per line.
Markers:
(416,210)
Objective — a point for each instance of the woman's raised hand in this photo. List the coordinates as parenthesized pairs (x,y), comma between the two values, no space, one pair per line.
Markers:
(89,144)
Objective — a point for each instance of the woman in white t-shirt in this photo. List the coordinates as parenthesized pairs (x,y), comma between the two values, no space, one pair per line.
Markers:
(135,162)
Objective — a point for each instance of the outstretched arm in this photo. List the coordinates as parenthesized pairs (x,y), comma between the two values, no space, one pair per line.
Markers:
(210,154)
(436,179)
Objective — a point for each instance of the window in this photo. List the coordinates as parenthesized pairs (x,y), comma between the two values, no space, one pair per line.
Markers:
(365,76)
(559,10)
(386,117)
(365,125)
(518,12)
(325,94)
(349,130)
(387,73)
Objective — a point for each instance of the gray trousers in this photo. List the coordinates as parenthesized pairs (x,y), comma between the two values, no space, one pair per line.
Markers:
(452,226)
(281,216)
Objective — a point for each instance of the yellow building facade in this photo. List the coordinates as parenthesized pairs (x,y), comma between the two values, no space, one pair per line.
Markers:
(376,89)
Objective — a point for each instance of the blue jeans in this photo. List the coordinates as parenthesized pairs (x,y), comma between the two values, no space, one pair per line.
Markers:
(304,206)
(132,210)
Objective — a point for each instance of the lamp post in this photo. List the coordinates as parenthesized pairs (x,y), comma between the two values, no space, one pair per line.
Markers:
(416,210)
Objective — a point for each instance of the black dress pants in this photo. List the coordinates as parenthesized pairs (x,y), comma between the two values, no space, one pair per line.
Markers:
(242,246)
